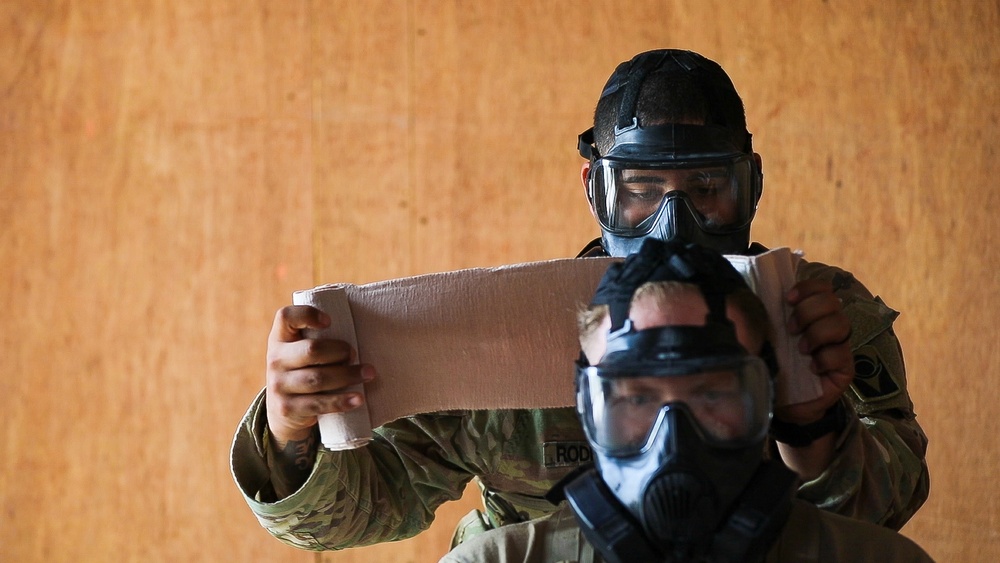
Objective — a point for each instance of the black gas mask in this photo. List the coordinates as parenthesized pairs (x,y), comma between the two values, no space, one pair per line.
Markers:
(677,418)
(698,183)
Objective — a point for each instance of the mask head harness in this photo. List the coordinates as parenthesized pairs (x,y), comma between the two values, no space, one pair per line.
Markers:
(700,183)
(685,488)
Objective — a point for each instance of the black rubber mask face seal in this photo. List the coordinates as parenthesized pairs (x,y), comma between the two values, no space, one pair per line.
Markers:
(673,350)
(672,142)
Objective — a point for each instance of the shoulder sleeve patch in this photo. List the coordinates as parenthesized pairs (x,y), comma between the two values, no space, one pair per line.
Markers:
(873,380)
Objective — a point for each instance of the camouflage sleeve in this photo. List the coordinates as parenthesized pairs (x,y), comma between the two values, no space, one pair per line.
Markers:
(385,491)
(879,473)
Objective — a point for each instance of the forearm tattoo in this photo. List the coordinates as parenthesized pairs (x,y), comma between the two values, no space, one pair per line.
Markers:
(291,464)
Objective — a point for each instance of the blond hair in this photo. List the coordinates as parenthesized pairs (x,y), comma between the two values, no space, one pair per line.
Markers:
(590,319)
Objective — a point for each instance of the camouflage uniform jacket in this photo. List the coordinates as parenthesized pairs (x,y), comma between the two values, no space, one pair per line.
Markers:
(809,535)
(390,489)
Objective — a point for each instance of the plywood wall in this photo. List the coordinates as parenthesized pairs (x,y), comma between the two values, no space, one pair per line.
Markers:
(171,171)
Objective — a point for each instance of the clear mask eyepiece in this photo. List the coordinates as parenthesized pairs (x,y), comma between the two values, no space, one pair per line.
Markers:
(629,196)
(623,411)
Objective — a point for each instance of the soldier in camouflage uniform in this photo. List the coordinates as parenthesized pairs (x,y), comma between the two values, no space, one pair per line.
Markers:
(865,461)
(676,405)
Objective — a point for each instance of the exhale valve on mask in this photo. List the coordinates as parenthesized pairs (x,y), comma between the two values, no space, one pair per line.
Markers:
(755,521)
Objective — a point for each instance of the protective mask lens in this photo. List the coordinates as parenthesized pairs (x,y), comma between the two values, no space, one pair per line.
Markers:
(729,405)
(629,196)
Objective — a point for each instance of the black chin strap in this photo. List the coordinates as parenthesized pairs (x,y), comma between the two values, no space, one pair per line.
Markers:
(749,531)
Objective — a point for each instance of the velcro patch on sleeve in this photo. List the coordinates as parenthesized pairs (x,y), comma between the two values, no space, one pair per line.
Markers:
(873,381)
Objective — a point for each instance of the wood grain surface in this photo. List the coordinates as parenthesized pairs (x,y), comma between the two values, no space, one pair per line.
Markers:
(171,171)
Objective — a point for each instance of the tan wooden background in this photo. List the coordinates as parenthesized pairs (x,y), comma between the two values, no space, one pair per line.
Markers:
(170,171)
